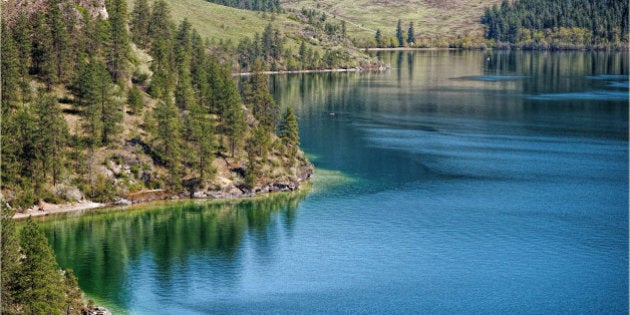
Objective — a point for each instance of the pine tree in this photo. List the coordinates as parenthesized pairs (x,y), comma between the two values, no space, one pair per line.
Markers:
(302,50)
(199,72)
(111,108)
(41,287)
(160,25)
(139,24)
(10,68)
(168,138)
(44,61)
(379,38)
(289,131)
(118,52)
(201,135)
(134,98)
(399,34)
(74,295)
(184,94)
(21,33)
(10,258)
(85,89)
(411,36)
(52,136)
(60,52)
(234,117)
(257,97)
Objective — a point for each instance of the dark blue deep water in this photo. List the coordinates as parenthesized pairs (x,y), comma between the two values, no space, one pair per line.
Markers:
(456,182)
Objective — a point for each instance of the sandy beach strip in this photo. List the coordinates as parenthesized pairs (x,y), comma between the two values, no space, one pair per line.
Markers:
(48,208)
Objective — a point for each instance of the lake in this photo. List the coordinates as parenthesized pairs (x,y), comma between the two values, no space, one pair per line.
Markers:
(455,182)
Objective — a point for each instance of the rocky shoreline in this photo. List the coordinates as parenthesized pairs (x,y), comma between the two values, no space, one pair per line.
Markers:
(146,196)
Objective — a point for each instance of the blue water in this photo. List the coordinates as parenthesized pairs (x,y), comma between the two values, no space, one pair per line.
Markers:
(436,191)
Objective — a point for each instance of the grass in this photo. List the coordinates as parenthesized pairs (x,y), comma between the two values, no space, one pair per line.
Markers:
(432,18)
(219,22)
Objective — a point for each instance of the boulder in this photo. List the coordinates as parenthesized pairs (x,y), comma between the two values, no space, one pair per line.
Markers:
(122,202)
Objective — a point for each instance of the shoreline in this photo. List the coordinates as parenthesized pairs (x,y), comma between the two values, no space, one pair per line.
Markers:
(341,70)
(51,208)
(150,196)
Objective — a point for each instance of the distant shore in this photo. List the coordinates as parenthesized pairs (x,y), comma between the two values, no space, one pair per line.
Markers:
(357,69)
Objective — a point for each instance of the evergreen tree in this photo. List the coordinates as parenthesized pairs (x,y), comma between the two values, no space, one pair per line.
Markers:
(302,50)
(399,34)
(235,125)
(118,52)
(139,24)
(411,36)
(199,72)
(10,68)
(201,135)
(85,89)
(289,133)
(184,94)
(134,98)
(21,33)
(111,107)
(60,52)
(41,287)
(163,66)
(43,60)
(160,25)
(378,38)
(257,97)
(26,137)
(74,295)
(52,136)
(10,258)
(168,138)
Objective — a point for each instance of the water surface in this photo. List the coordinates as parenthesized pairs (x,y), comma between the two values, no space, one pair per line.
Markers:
(456,182)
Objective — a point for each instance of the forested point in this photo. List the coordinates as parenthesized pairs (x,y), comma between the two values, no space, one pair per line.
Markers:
(94,111)
(255,5)
(558,24)
(102,104)
(32,281)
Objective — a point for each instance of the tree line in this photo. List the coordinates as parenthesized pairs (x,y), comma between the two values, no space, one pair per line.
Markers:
(558,23)
(32,281)
(400,38)
(255,5)
(76,92)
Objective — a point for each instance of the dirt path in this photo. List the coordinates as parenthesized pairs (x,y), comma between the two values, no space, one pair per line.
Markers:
(48,208)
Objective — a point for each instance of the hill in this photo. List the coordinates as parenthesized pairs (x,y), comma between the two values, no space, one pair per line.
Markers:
(91,110)
(431,18)
(218,22)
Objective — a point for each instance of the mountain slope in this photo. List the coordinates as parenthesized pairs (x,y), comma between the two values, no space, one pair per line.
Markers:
(224,23)
(432,18)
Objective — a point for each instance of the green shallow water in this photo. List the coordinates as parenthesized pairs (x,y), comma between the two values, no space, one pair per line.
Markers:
(456,182)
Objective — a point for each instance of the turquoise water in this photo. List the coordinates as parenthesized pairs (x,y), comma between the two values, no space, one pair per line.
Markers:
(456,182)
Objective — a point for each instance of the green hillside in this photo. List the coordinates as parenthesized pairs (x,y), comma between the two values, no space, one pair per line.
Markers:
(431,18)
(224,23)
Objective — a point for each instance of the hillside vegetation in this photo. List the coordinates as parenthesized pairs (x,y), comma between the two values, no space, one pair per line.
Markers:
(441,24)
(91,110)
(432,19)
(559,24)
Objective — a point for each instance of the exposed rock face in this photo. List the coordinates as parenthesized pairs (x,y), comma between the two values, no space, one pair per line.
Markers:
(67,192)
(11,8)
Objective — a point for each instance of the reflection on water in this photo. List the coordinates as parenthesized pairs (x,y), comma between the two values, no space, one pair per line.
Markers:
(458,182)
(107,249)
